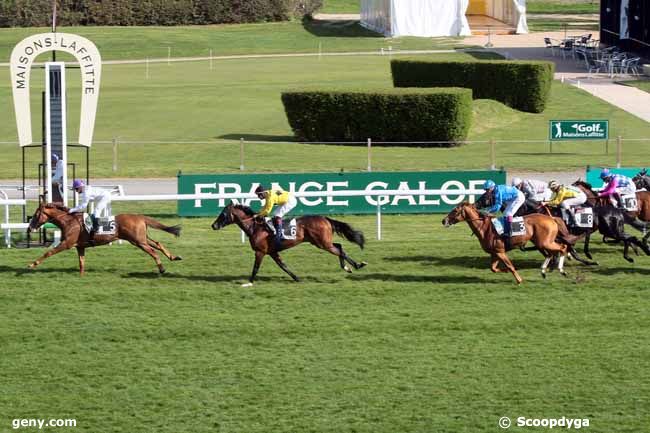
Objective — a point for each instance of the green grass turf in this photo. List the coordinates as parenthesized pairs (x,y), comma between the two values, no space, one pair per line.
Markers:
(424,339)
(563,7)
(558,24)
(185,102)
(640,84)
(119,43)
(340,7)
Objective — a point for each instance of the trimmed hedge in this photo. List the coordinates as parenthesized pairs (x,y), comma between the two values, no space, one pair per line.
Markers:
(522,85)
(442,115)
(37,13)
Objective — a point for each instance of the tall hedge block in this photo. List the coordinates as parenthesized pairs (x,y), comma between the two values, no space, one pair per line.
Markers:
(522,85)
(442,115)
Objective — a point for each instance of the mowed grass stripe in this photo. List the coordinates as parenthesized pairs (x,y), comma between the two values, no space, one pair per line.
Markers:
(241,98)
(424,339)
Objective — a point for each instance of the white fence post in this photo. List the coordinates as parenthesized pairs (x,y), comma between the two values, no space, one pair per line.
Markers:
(619,150)
(241,154)
(369,154)
(114,153)
(378,219)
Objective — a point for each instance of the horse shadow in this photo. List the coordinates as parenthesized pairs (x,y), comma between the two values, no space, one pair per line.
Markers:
(19,271)
(471,262)
(226,278)
(409,278)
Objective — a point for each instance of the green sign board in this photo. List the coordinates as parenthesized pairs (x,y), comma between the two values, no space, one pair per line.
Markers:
(578,130)
(451,181)
(593,174)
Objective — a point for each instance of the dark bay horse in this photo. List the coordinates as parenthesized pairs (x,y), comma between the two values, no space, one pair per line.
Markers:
(129,227)
(316,230)
(610,222)
(542,230)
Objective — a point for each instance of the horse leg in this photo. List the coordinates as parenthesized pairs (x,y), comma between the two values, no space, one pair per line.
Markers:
(572,251)
(49,253)
(275,256)
(586,248)
(547,261)
(81,252)
(149,250)
(160,247)
(259,256)
(495,265)
(348,258)
(506,261)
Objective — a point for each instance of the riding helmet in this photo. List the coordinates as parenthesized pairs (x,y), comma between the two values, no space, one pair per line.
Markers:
(516,181)
(489,184)
(605,174)
(78,183)
(554,184)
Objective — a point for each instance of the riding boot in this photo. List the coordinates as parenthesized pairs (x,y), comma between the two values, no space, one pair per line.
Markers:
(91,235)
(279,233)
(572,217)
(507,232)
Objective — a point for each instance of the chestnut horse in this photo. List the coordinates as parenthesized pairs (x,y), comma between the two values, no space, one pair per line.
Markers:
(316,230)
(542,230)
(129,227)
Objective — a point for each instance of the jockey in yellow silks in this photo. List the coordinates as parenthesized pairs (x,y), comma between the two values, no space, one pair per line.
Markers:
(284,200)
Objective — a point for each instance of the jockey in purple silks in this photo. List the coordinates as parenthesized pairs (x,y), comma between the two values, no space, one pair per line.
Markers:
(616,186)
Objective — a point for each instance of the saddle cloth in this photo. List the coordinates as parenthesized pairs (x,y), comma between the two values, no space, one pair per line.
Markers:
(105,225)
(630,202)
(518,227)
(584,217)
(289,227)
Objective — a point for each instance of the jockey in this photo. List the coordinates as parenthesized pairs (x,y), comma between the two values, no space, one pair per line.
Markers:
(101,199)
(617,186)
(57,174)
(285,202)
(511,197)
(535,191)
(567,198)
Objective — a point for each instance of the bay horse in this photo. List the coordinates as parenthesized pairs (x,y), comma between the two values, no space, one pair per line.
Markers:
(610,222)
(542,230)
(316,230)
(129,227)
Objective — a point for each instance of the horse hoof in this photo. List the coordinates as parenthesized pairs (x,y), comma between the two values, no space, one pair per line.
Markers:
(247,285)
(544,275)
(362,265)
(629,259)
(162,271)
(564,274)
(178,258)
(347,269)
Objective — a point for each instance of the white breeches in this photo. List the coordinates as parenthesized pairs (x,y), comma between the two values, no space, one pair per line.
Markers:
(281,211)
(513,206)
(102,206)
(573,202)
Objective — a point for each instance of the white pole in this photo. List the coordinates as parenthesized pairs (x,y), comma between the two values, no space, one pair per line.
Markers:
(7,231)
(369,154)
(114,154)
(241,154)
(378,218)
(243,237)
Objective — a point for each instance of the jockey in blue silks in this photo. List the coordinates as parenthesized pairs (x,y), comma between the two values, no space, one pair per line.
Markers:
(506,195)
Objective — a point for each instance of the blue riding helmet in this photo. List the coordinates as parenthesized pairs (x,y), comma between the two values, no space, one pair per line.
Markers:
(78,183)
(55,157)
(605,174)
(489,184)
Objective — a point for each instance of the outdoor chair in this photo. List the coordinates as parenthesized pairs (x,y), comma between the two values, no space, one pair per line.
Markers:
(552,45)
(568,47)
(630,66)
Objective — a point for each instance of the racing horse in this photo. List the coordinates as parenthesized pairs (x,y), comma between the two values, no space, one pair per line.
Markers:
(129,227)
(542,230)
(610,222)
(314,229)
(565,235)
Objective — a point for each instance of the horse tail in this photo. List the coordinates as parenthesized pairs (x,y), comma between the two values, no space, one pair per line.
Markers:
(563,233)
(348,232)
(175,230)
(636,223)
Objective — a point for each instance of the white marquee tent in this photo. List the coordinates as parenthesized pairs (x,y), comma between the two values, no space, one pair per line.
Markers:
(431,18)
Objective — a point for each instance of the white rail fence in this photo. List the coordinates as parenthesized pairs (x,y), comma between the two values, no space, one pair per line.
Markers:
(450,196)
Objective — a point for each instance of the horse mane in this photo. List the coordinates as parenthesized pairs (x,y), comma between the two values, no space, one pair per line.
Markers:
(247,210)
(57,206)
(583,183)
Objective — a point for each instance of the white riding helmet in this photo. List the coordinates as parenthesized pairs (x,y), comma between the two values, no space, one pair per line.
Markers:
(553,185)
(516,181)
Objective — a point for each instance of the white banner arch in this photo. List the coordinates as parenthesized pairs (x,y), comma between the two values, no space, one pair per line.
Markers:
(90,62)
